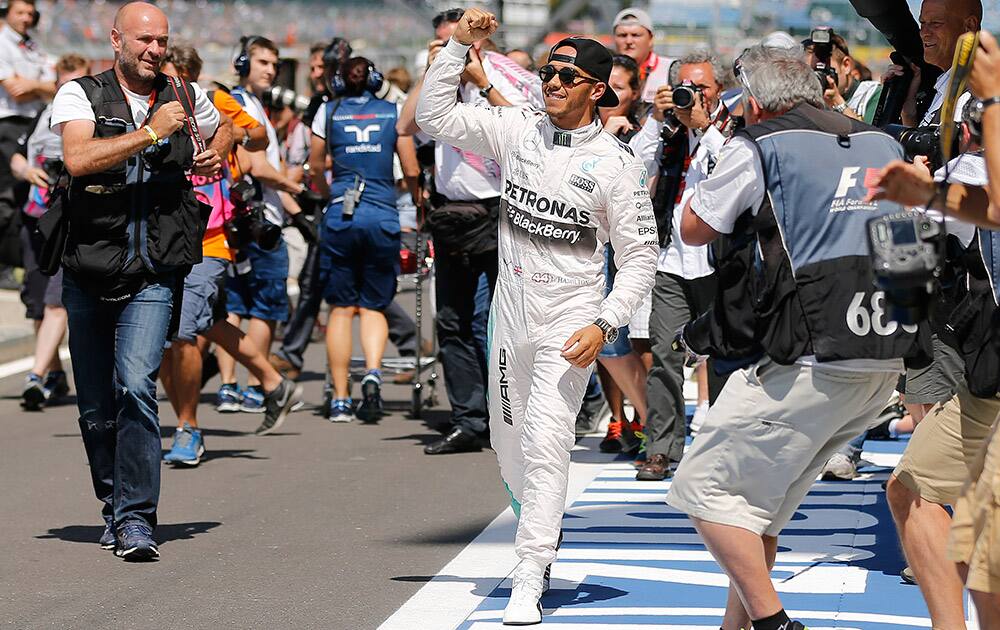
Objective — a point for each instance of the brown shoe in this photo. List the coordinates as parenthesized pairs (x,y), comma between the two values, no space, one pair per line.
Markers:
(656,468)
(284,366)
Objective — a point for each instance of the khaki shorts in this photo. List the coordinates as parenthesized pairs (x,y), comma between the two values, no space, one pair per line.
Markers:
(940,456)
(766,439)
(975,530)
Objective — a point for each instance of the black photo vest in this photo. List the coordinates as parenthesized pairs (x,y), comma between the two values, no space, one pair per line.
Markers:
(139,218)
(808,287)
(974,324)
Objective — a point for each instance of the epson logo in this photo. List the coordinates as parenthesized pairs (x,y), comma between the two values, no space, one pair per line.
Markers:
(582,183)
(505,406)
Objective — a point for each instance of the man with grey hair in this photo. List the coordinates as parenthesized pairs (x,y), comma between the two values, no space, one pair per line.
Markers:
(823,356)
(685,280)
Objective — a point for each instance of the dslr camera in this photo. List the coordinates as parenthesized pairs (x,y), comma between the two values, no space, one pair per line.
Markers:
(907,251)
(918,141)
(822,45)
(279,97)
(685,95)
(248,224)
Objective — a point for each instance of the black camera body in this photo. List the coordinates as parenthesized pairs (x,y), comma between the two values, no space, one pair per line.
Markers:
(822,45)
(685,94)
(248,224)
(917,140)
(908,252)
(53,168)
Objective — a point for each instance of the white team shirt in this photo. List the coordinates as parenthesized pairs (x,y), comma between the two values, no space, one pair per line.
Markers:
(22,57)
(464,176)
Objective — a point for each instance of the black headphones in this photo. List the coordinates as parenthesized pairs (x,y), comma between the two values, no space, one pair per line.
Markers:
(241,63)
(5,7)
(373,81)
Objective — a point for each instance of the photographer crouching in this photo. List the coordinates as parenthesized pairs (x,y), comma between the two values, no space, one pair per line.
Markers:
(134,228)
(821,375)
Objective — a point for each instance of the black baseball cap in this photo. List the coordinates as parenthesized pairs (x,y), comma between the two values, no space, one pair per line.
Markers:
(594,59)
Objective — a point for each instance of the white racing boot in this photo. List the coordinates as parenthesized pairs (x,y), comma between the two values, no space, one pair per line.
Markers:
(524,608)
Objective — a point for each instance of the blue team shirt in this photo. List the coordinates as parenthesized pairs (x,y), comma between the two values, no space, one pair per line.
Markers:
(361,138)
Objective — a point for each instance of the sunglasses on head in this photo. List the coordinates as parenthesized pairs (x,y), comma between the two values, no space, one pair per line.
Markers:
(567,75)
(452,15)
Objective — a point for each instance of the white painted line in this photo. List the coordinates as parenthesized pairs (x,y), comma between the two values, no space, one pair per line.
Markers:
(19,366)
(460,587)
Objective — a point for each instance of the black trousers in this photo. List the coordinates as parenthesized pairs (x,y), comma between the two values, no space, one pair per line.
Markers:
(464,361)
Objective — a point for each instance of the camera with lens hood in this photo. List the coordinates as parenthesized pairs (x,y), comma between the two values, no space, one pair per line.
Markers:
(248,224)
(908,254)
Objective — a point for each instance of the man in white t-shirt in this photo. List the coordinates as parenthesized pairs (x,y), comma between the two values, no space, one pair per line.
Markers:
(134,225)
(258,290)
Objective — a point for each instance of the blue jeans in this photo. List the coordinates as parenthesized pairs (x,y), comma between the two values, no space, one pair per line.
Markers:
(116,350)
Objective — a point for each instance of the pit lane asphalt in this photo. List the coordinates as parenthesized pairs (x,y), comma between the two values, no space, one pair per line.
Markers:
(316,526)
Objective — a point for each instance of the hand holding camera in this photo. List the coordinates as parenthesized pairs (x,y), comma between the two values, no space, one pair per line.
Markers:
(433,48)
(904,183)
(35,176)
(474,72)
(168,118)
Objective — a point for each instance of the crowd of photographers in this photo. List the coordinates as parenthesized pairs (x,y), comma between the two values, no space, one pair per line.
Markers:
(325,189)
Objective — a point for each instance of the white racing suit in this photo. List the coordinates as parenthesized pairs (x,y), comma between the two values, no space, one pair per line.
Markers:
(565,194)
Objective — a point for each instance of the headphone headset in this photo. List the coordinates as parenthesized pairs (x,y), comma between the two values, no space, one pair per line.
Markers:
(5,7)
(373,81)
(241,63)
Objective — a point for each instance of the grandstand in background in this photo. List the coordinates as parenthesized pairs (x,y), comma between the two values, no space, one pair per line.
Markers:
(390,32)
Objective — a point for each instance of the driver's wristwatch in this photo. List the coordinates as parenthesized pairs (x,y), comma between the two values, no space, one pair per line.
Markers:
(610,332)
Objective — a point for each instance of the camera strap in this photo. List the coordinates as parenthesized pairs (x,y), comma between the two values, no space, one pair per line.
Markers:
(189,116)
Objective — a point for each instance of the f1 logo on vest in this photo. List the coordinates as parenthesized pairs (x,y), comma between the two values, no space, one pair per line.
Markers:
(843,200)
(363,134)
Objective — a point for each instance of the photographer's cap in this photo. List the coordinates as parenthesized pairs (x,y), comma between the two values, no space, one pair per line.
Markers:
(594,59)
(633,15)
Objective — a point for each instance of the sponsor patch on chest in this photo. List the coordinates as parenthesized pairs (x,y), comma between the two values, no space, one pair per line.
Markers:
(582,183)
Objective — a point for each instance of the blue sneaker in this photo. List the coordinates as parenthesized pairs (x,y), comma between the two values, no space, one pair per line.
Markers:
(135,542)
(187,449)
(34,395)
(228,398)
(370,409)
(108,540)
(341,410)
(252,400)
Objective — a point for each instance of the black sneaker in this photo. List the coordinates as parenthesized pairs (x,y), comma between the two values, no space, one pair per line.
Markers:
(108,540)
(370,409)
(277,403)
(135,542)
(56,385)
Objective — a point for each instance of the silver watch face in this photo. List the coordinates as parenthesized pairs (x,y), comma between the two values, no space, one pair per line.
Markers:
(611,336)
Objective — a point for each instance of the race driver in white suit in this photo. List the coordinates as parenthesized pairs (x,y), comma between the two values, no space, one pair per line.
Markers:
(568,188)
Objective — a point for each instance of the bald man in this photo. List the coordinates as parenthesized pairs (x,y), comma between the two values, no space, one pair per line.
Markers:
(135,228)
(942,22)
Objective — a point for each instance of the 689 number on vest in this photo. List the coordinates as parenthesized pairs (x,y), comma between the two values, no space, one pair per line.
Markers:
(866,318)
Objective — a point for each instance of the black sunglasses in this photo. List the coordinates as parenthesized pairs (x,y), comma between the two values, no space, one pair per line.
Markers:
(452,15)
(567,76)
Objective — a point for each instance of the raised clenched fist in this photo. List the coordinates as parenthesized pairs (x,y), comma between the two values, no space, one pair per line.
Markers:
(474,26)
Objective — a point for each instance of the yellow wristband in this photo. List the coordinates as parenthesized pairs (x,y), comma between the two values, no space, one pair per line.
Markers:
(153,138)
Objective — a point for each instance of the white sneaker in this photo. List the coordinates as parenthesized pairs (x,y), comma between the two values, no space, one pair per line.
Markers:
(524,609)
(839,468)
(698,418)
